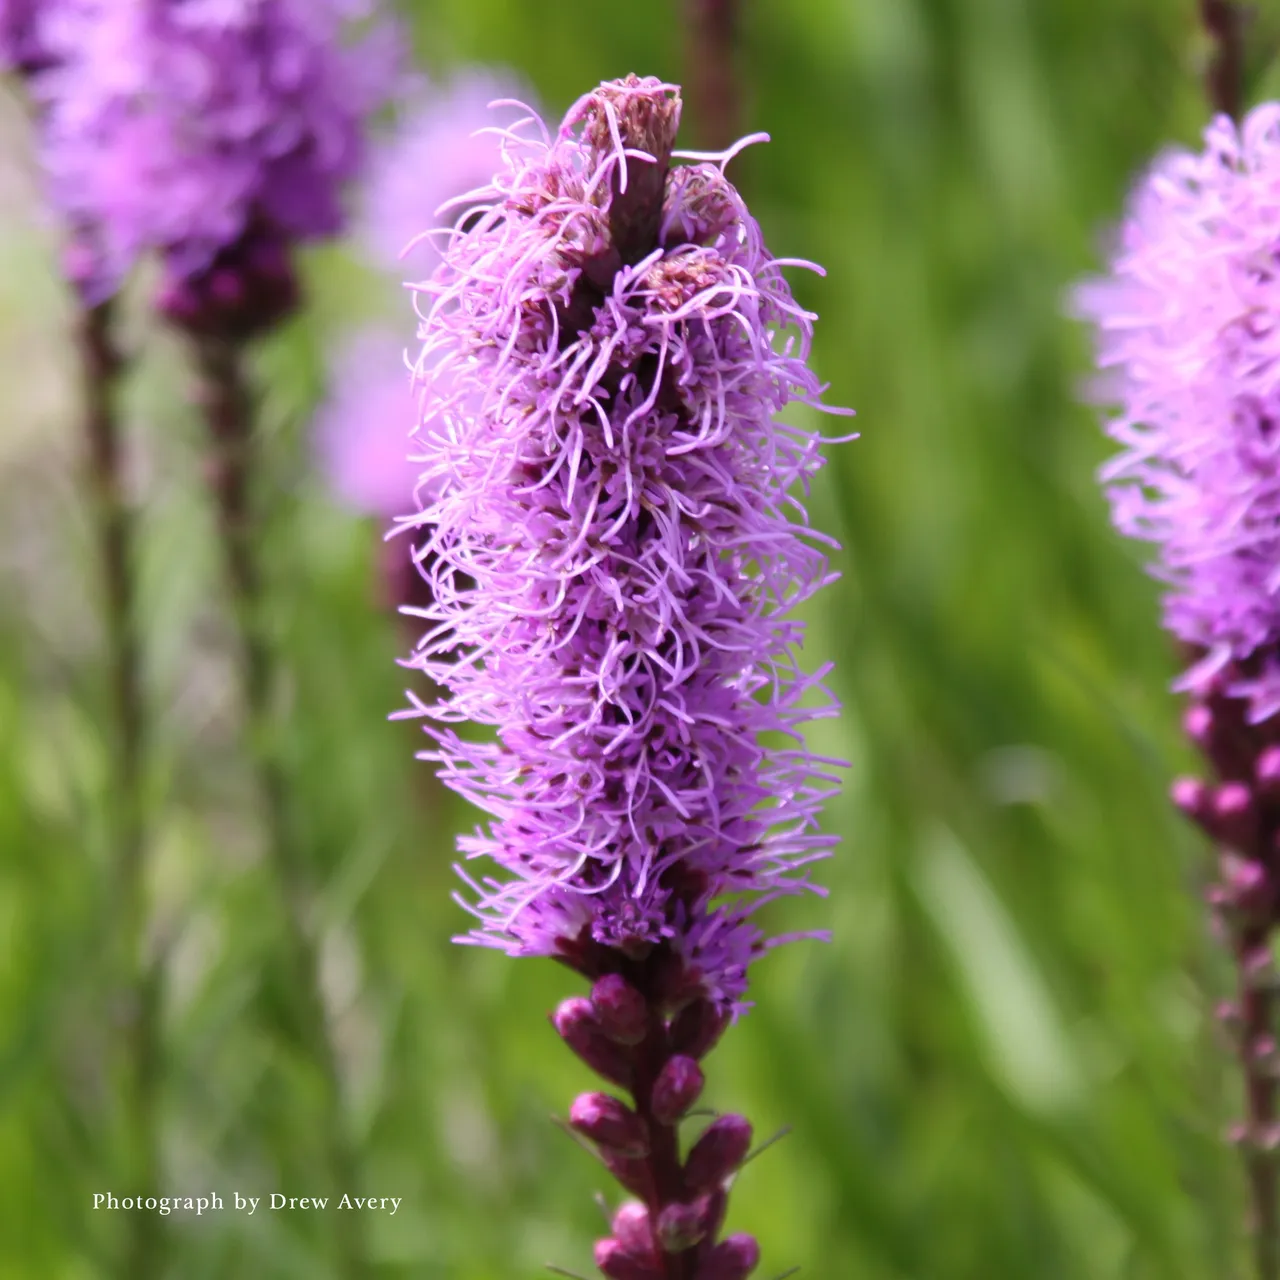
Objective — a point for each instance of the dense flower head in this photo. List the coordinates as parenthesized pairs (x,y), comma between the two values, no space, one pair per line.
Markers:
(1189,320)
(185,126)
(614,549)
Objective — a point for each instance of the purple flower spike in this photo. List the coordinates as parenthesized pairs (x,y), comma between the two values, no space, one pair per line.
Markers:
(1189,332)
(186,129)
(614,546)
(611,551)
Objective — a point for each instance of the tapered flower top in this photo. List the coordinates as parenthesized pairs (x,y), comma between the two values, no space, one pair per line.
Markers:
(204,128)
(615,546)
(1190,322)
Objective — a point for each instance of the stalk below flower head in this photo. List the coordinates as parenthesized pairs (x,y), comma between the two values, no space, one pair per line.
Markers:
(613,564)
(1189,320)
(215,132)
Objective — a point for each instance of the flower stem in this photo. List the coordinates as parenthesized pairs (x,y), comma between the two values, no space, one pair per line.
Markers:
(1224,21)
(711,39)
(1256,1032)
(101,368)
(228,409)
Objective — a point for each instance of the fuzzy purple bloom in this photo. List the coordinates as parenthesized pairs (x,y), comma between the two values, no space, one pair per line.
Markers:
(614,551)
(1189,320)
(188,128)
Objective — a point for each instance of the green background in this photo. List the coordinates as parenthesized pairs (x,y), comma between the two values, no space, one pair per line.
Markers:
(1006,1063)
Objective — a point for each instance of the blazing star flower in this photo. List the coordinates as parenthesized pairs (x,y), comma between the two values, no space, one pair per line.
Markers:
(205,128)
(1189,320)
(611,549)
(614,551)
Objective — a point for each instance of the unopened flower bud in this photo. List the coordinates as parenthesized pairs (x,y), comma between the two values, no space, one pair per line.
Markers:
(1234,814)
(1267,772)
(631,1227)
(717,1153)
(1191,796)
(732,1259)
(697,1027)
(617,1263)
(677,1088)
(1197,723)
(580,1029)
(629,1172)
(622,1011)
(679,1227)
(609,1123)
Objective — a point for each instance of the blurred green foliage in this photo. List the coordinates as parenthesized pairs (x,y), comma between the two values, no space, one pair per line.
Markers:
(1004,1065)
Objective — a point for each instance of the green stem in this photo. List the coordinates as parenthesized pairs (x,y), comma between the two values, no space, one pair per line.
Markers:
(101,366)
(228,409)
(1224,21)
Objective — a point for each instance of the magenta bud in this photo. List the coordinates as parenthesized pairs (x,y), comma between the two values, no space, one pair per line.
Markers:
(622,1011)
(631,1173)
(697,1027)
(679,1227)
(1233,815)
(1197,723)
(1244,879)
(631,1227)
(677,1088)
(717,1153)
(578,1026)
(615,1262)
(1267,771)
(1191,795)
(732,1259)
(609,1123)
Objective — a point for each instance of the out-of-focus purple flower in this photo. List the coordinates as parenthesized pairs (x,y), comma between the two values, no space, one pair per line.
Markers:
(615,549)
(440,150)
(1189,320)
(363,431)
(21,46)
(191,128)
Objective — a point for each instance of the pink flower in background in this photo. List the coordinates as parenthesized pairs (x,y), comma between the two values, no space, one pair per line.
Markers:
(437,153)
(1188,325)
(363,429)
